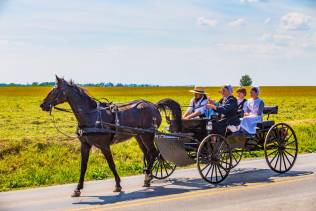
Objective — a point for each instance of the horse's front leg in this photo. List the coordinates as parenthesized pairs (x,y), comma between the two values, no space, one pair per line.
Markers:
(85,151)
(108,156)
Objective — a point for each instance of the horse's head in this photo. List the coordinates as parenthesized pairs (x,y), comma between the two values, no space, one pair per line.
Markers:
(56,96)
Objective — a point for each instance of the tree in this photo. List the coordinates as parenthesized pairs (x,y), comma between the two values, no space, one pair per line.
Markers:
(245,80)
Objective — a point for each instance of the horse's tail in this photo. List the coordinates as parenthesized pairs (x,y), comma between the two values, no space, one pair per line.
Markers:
(175,108)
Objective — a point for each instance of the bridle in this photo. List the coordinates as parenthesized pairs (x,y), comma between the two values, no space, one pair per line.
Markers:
(108,106)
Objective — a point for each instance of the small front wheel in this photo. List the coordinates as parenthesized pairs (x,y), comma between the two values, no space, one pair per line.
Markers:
(236,157)
(214,159)
(161,168)
(281,148)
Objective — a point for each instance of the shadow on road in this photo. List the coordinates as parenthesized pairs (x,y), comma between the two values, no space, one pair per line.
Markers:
(238,177)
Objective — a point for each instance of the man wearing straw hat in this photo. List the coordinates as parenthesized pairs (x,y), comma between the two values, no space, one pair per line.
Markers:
(197,104)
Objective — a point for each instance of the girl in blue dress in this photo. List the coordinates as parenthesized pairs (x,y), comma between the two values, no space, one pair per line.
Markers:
(253,112)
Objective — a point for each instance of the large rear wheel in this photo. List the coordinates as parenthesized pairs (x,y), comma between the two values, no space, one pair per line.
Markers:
(281,148)
(214,159)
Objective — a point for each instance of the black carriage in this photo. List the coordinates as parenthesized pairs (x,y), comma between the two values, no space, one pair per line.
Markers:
(216,155)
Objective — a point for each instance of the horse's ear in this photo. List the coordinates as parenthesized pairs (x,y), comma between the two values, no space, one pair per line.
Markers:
(59,81)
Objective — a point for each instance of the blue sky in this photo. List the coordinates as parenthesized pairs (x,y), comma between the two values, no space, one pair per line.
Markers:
(172,42)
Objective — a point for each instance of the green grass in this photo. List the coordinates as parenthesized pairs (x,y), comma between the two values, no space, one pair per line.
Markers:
(33,153)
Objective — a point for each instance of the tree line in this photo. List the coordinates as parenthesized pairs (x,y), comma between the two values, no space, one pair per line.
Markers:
(101,84)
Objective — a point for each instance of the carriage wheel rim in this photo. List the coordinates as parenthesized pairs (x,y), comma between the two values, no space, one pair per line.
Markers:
(214,171)
(283,150)
(162,168)
(236,158)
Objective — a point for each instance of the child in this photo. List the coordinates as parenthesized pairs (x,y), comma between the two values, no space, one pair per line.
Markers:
(241,94)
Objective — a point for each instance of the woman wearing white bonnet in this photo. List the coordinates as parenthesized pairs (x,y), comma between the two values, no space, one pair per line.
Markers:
(253,111)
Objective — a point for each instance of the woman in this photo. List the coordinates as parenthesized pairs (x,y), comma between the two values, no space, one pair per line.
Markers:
(253,112)
(197,104)
(241,94)
(227,111)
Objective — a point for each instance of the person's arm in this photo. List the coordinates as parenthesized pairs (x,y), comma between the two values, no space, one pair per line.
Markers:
(193,115)
(225,109)
(245,108)
(261,107)
(189,110)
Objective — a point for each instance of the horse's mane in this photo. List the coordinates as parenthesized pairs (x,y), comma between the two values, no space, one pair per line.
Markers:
(86,96)
(83,93)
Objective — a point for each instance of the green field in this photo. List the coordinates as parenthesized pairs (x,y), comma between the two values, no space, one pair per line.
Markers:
(33,153)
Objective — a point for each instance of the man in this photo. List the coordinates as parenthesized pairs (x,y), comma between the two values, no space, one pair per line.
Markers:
(197,104)
(227,110)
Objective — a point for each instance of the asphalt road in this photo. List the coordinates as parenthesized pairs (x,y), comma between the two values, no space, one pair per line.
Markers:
(251,186)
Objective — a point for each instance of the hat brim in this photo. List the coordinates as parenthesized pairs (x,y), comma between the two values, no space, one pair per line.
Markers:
(198,92)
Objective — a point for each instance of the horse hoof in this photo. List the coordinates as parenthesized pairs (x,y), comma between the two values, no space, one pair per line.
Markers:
(76,193)
(146,185)
(117,189)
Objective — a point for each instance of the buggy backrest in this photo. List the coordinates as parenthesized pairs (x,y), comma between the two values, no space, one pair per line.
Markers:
(270,110)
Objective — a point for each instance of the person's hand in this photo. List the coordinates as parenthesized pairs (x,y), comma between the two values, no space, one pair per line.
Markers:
(211,106)
(186,118)
(210,101)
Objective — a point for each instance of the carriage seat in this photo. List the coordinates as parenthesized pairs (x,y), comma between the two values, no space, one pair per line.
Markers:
(265,124)
(270,110)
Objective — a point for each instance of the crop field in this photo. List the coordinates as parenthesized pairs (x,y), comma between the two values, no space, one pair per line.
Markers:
(33,153)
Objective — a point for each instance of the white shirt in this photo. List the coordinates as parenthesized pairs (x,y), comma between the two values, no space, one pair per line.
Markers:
(200,105)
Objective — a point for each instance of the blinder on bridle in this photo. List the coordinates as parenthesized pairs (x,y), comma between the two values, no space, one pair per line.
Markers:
(54,98)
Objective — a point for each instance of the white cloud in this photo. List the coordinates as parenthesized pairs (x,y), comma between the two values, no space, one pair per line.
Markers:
(4,42)
(251,1)
(238,22)
(296,21)
(251,49)
(278,39)
(267,20)
(207,22)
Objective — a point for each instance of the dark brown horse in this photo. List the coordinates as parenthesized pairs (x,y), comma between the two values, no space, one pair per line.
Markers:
(92,114)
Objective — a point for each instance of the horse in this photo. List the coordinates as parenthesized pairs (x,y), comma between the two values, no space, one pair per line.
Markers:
(91,113)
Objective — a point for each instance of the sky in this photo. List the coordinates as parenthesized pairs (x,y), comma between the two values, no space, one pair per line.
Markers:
(165,42)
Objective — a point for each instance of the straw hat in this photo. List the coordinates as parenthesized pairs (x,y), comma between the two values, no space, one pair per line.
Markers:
(199,90)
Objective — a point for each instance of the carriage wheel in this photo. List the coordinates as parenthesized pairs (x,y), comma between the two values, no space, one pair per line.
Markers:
(162,168)
(214,159)
(236,157)
(280,148)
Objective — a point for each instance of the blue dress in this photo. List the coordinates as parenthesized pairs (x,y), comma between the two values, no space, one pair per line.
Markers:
(255,110)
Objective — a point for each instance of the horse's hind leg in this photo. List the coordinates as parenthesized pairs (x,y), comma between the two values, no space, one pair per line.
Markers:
(152,153)
(108,156)
(145,152)
(85,151)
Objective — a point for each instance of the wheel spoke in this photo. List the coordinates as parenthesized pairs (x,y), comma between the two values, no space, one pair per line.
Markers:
(290,148)
(284,161)
(208,171)
(289,137)
(280,167)
(276,162)
(223,168)
(274,158)
(216,174)
(206,166)
(289,153)
(220,171)
(212,173)
(163,163)
(289,143)
(161,169)
(274,151)
(287,158)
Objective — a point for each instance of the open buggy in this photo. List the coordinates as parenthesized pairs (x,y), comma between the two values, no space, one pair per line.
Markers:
(216,155)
